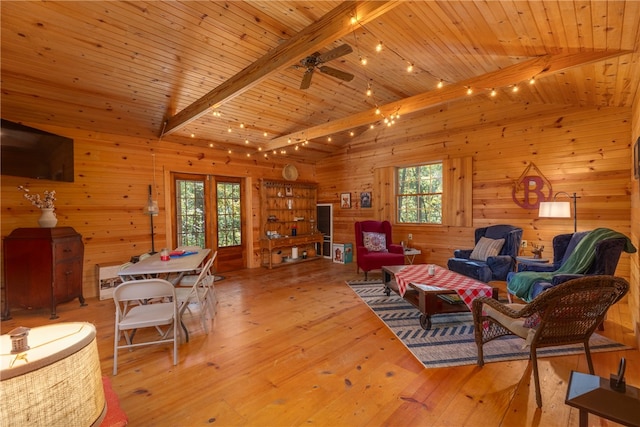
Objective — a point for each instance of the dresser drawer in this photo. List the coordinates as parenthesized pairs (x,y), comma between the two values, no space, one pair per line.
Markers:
(66,249)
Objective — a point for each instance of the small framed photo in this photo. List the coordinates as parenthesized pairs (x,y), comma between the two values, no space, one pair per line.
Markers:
(365,199)
(288,190)
(345,200)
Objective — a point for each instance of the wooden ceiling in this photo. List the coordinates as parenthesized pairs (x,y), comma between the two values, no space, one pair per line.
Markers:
(227,75)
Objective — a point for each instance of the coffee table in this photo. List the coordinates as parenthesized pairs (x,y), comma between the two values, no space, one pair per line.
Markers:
(444,292)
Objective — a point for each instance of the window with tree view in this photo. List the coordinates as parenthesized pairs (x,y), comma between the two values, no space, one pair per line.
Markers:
(419,194)
(229,214)
(190,207)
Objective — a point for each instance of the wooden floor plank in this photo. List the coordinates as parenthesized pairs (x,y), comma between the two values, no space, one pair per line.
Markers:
(296,346)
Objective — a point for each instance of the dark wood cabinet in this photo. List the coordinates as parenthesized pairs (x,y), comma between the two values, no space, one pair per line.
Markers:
(42,268)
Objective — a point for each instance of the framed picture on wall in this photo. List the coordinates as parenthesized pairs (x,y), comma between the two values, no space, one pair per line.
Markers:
(345,200)
(365,199)
(636,159)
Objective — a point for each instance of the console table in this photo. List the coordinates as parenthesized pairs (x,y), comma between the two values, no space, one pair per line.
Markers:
(269,245)
(42,268)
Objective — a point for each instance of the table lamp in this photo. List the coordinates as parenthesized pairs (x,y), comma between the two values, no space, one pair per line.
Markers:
(50,376)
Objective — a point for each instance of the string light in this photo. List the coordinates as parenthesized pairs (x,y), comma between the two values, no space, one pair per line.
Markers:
(532,81)
(440,84)
(469,90)
(493,92)
(379,47)
(410,68)
(515,88)
(329,138)
(363,60)
(193,135)
(229,130)
(369,91)
(241,125)
(377,111)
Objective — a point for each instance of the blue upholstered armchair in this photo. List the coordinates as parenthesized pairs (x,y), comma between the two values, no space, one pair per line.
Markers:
(493,256)
(603,261)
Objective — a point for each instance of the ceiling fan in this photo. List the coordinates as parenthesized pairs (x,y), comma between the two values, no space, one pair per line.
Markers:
(315,61)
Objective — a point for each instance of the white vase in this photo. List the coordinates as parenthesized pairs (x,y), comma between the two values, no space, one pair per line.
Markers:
(48,218)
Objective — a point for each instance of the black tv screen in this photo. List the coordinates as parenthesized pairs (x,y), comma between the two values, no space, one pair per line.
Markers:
(33,153)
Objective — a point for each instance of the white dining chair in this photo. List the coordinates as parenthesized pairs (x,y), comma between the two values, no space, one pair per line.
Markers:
(144,304)
(198,290)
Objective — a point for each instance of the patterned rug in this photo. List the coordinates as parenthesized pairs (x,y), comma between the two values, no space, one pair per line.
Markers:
(450,341)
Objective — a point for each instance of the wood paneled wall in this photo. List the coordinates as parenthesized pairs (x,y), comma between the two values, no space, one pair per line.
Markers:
(105,203)
(585,151)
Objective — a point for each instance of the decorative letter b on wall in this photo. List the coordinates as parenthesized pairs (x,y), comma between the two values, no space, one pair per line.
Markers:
(531,188)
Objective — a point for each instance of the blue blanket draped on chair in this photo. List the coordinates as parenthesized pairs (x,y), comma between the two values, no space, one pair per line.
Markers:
(521,284)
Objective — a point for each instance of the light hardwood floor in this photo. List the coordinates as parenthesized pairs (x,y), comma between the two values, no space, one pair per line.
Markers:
(295,346)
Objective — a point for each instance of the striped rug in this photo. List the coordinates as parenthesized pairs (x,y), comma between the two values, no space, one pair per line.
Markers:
(450,341)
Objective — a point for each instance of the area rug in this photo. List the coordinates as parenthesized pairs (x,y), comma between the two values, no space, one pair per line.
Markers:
(450,341)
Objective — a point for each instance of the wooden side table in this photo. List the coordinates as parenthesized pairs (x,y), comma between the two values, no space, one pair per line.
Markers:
(592,394)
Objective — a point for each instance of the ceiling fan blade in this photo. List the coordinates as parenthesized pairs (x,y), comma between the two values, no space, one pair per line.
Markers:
(347,77)
(335,53)
(306,79)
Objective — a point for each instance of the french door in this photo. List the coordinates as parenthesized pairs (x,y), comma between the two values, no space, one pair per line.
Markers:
(208,212)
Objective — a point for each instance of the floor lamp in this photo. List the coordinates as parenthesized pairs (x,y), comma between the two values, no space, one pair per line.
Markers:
(152,210)
(555,209)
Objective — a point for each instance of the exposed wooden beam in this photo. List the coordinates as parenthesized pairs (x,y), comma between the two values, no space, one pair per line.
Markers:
(332,26)
(539,67)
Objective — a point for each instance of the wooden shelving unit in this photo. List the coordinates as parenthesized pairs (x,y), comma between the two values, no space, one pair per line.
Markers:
(287,215)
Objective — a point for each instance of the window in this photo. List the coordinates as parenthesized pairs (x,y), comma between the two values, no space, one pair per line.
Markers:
(229,214)
(419,194)
(190,212)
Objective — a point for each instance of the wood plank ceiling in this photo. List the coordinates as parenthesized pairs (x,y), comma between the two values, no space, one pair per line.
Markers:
(227,75)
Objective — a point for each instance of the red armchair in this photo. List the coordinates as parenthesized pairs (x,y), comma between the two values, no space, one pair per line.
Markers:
(374,247)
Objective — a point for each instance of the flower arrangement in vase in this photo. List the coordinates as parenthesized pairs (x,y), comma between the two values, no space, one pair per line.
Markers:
(48,218)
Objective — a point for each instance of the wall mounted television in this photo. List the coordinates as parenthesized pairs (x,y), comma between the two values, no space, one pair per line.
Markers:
(36,154)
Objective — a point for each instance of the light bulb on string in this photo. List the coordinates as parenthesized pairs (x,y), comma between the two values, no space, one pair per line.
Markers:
(329,138)
(440,84)
(493,92)
(379,47)
(532,81)
(469,91)
(410,68)
(515,88)
(378,111)
(363,60)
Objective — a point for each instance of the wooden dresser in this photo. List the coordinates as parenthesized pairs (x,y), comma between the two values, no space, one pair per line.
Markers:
(42,268)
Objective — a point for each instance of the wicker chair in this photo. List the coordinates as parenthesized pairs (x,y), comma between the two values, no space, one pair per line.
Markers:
(565,314)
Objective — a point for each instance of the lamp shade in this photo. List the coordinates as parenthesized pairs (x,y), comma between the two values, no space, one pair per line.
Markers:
(554,210)
(57,381)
